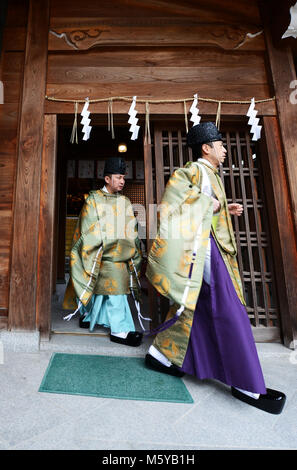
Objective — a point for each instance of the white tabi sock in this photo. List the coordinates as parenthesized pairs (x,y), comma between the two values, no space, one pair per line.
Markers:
(159,356)
(250,394)
(121,335)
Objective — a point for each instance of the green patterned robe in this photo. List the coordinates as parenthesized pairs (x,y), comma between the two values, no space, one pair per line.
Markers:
(105,249)
(186,219)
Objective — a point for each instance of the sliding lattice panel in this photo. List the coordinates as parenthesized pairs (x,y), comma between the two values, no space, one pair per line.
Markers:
(242,179)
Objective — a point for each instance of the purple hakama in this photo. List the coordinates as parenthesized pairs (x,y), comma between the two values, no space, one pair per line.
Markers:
(221,345)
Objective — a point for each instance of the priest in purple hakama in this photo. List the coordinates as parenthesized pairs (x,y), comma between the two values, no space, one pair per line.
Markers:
(207,331)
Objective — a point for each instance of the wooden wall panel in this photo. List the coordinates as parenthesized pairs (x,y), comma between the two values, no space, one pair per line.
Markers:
(158,73)
(12,75)
(207,11)
(213,54)
(156,57)
(14,38)
(7,171)
(12,60)
(282,228)
(200,75)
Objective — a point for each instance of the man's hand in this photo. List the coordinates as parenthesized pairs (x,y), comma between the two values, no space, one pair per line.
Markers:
(235,209)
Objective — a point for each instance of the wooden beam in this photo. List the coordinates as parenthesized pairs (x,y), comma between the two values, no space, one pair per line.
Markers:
(281,228)
(46,226)
(22,300)
(283,76)
(157,57)
(159,32)
(64,74)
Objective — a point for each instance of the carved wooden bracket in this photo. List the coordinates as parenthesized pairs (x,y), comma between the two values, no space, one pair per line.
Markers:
(228,37)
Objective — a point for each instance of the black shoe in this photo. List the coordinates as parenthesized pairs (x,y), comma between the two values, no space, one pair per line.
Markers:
(272,402)
(153,363)
(83,324)
(134,338)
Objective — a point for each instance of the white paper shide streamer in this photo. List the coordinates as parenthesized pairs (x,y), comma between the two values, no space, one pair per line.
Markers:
(86,121)
(134,128)
(195,118)
(292,28)
(254,121)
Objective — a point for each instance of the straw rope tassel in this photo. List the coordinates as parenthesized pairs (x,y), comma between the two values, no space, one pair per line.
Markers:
(110,118)
(74,128)
(147,138)
(186,116)
(218,118)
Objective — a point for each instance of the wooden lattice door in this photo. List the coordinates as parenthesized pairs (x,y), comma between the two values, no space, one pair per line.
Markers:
(242,177)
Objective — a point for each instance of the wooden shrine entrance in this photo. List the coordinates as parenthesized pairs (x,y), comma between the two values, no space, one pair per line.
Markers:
(163,53)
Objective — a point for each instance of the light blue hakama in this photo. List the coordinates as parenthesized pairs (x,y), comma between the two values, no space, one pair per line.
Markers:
(110,311)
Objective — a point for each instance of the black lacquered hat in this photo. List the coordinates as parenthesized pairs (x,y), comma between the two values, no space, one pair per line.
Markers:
(115,166)
(203,133)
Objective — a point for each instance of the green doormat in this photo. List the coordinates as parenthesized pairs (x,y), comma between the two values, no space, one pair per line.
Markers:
(111,376)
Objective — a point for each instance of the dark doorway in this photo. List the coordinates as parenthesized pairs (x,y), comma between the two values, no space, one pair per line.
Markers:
(79,170)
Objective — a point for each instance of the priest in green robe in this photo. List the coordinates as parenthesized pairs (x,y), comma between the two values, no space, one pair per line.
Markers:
(105,260)
(193,262)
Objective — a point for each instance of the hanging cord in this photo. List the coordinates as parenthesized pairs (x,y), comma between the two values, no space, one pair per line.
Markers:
(147,134)
(186,116)
(110,118)
(74,128)
(218,118)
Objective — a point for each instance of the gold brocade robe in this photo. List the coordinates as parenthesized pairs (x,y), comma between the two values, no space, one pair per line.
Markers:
(105,249)
(186,219)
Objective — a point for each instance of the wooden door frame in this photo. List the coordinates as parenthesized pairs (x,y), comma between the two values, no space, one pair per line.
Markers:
(47,231)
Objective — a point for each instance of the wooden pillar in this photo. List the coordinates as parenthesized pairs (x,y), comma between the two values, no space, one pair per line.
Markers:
(22,300)
(46,226)
(283,75)
(282,230)
(62,214)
